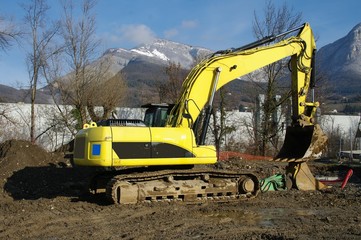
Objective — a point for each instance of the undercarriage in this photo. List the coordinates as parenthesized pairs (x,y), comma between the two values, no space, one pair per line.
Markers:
(130,186)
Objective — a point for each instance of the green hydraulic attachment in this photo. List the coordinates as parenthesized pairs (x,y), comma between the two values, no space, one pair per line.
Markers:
(277,182)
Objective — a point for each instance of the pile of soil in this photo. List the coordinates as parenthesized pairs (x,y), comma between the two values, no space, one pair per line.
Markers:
(18,154)
(27,171)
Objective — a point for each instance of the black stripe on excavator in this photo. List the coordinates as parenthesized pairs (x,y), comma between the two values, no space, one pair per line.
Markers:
(129,150)
(80,146)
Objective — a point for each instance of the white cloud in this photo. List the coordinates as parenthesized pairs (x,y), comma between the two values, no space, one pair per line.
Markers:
(184,25)
(189,24)
(130,35)
(137,33)
(168,34)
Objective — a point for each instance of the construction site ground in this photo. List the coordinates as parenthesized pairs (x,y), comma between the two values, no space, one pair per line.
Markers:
(45,198)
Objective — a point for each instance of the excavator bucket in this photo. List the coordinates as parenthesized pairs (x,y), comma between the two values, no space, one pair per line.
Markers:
(302,144)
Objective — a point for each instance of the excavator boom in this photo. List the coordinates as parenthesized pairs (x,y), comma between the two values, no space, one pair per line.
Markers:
(228,66)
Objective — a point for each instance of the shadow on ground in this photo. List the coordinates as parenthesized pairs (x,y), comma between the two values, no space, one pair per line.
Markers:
(31,183)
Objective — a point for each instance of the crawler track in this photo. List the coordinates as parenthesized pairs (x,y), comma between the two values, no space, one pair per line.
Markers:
(188,185)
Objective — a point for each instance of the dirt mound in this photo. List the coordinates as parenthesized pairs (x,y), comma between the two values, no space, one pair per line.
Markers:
(18,154)
(27,171)
(24,151)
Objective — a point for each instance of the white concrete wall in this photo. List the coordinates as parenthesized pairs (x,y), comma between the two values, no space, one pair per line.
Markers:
(16,124)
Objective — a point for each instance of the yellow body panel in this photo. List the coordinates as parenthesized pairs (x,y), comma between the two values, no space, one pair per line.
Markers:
(87,138)
(165,161)
(130,134)
(141,146)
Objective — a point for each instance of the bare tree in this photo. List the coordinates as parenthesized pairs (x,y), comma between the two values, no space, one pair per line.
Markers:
(80,48)
(220,129)
(53,74)
(274,21)
(169,91)
(8,33)
(41,33)
(89,82)
(108,94)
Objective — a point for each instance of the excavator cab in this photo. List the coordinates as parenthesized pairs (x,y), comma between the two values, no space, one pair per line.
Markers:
(156,115)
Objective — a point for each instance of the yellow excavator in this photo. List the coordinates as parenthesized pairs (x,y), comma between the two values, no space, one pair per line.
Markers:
(156,159)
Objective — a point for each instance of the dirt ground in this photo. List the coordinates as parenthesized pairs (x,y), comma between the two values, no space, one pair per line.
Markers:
(44,198)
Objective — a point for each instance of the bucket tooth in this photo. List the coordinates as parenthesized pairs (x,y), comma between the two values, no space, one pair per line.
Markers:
(302,177)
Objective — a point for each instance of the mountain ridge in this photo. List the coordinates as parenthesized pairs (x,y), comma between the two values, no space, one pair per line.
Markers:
(340,61)
(144,66)
(159,52)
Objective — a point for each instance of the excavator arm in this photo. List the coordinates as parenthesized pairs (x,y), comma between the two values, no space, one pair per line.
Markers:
(211,74)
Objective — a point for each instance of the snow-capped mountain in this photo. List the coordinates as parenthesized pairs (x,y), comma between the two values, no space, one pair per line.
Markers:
(144,65)
(341,61)
(159,52)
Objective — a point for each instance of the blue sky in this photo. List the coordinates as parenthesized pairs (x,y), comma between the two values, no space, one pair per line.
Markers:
(212,24)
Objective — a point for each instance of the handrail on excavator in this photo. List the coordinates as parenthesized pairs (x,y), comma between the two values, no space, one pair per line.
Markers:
(260,42)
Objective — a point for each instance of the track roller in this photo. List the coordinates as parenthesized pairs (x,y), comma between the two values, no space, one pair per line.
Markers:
(186,186)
